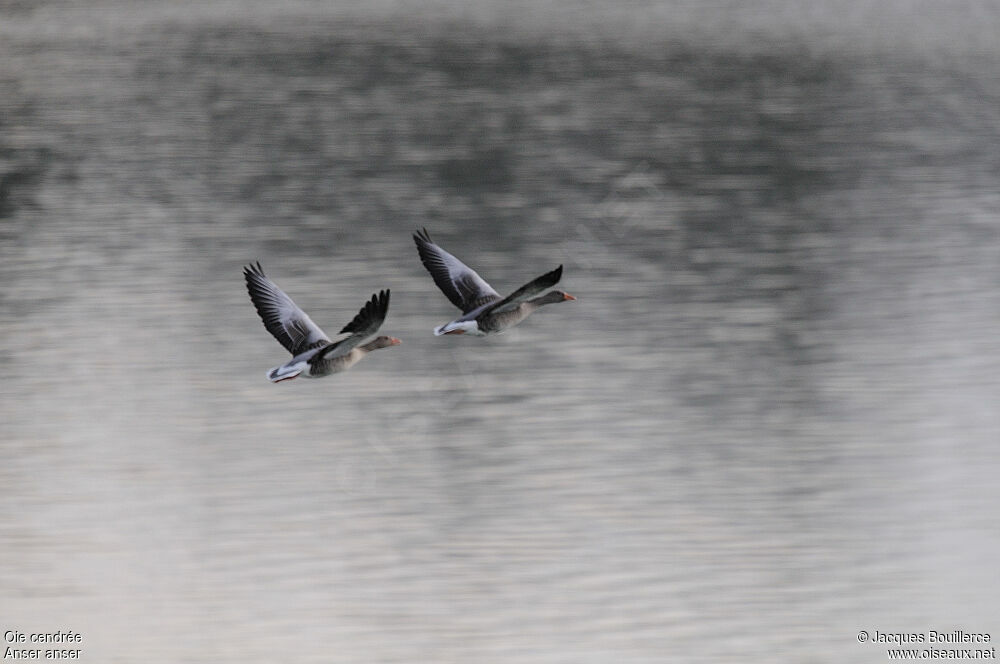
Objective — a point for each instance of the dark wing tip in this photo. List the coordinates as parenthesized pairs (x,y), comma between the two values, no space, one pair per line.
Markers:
(422,236)
(428,256)
(373,310)
(551,278)
(253,269)
(382,304)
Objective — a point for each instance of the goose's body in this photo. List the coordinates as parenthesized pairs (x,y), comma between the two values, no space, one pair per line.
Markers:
(313,364)
(484,311)
(314,355)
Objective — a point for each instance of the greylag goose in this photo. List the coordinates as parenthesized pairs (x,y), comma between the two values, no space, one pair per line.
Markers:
(484,311)
(314,355)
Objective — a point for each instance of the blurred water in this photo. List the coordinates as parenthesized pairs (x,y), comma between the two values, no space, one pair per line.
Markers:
(768,422)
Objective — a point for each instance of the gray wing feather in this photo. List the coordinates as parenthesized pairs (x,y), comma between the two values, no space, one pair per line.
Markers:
(365,324)
(460,283)
(525,292)
(282,317)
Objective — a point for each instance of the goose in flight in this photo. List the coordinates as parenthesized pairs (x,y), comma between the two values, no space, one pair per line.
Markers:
(314,355)
(484,311)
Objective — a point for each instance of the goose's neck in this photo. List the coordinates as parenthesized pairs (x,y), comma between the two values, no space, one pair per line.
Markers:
(542,300)
(375,344)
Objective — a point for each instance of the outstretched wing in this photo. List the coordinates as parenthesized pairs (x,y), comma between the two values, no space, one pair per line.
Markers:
(530,289)
(466,289)
(365,324)
(290,325)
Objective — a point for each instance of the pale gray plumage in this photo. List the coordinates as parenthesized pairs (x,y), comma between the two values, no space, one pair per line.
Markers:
(484,311)
(314,355)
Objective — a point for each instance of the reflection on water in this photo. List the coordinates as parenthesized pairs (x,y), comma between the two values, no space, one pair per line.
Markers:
(767,423)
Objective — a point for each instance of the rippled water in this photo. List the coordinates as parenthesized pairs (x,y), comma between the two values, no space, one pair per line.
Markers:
(768,422)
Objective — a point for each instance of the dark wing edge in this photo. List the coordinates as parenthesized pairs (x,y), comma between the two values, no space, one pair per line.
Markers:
(533,287)
(368,320)
(459,283)
(267,304)
(371,316)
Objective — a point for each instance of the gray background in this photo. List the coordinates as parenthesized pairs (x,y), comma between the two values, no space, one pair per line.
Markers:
(769,421)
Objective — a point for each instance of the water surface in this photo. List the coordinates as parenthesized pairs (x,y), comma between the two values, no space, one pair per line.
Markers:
(768,422)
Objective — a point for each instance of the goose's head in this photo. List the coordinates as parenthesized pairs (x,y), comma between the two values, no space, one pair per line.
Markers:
(552,297)
(382,342)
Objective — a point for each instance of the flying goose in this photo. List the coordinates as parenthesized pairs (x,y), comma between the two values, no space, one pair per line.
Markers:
(484,311)
(314,355)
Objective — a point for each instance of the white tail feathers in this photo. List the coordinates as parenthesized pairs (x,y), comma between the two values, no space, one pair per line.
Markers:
(459,327)
(285,372)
